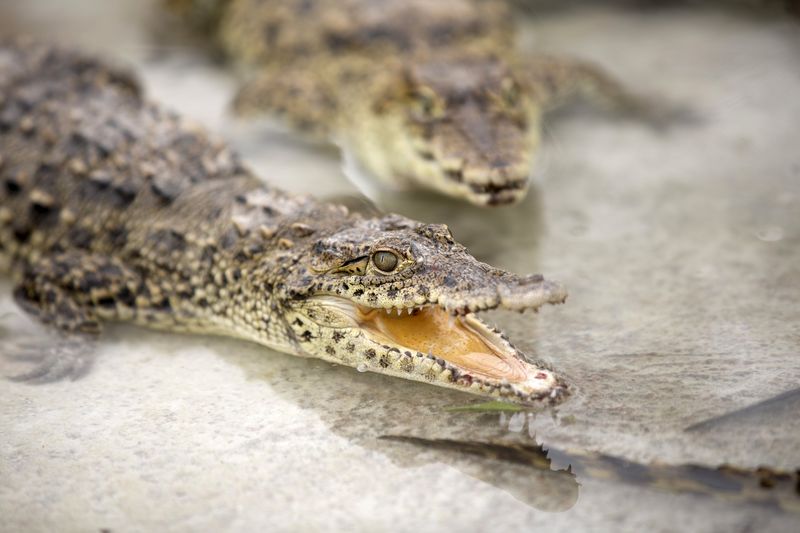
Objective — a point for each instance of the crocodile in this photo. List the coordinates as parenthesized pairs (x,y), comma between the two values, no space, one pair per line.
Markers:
(417,94)
(113,209)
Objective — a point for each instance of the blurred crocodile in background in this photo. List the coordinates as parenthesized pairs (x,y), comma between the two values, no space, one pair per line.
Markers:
(416,93)
(112,209)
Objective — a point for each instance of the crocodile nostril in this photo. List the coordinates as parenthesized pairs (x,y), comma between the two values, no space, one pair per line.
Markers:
(456,175)
(427,155)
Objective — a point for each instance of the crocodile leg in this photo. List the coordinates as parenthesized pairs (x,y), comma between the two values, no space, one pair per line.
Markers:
(71,291)
(554,81)
(52,358)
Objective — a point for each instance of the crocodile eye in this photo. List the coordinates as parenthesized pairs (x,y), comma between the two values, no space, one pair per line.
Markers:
(427,106)
(385,261)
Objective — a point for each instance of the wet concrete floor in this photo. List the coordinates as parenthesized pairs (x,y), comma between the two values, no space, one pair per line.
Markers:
(681,251)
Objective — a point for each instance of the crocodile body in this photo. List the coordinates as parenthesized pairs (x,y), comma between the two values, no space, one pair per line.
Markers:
(112,209)
(416,93)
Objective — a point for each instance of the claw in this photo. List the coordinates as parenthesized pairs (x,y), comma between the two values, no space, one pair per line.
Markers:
(53,360)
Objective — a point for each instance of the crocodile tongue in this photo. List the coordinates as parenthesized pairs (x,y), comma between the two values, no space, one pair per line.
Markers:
(462,341)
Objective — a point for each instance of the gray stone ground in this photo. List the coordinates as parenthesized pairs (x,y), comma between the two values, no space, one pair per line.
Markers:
(681,250)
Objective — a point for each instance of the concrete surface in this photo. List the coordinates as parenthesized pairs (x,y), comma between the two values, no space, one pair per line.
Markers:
(681,250)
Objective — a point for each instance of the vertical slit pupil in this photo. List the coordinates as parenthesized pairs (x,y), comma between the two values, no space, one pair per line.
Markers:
(385,261)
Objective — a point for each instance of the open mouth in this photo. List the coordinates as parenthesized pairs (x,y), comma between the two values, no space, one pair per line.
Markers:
(475,356)
(463,341)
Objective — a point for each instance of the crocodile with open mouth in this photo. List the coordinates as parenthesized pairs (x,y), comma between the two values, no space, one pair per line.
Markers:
(417,93)
(112,209)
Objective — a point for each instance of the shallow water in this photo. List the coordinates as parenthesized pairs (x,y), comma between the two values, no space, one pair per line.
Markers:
(681,250)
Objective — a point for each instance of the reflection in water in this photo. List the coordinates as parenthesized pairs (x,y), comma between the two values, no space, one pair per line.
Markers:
(522,470)
(782,406)
(361,408)
(385,415)
(559,489)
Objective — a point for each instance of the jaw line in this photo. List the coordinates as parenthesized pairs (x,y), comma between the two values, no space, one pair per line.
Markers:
(500,194)
(501,368)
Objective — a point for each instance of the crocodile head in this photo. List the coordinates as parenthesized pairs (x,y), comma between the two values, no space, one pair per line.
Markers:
(463,126)
(398,297)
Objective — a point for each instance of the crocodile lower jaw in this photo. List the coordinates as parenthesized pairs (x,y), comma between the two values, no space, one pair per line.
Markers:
(476,357)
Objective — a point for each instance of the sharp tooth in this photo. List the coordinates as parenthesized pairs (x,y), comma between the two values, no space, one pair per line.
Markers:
(410,310)
(388,311)
(399,312)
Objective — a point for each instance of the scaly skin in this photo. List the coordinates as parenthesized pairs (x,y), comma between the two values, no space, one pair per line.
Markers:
(113,209)
(417,93)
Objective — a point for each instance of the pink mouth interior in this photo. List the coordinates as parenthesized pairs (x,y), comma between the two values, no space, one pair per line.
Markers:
(433,330)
